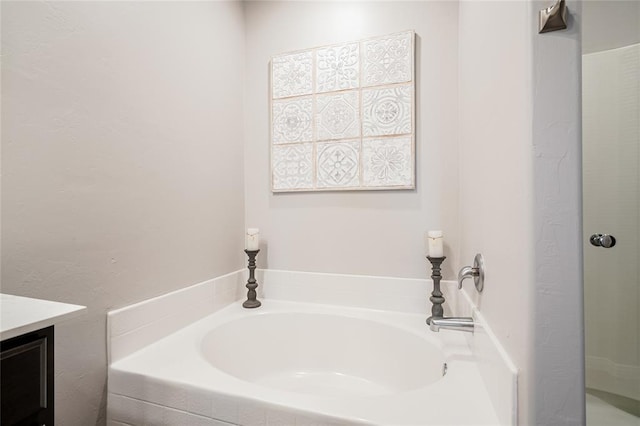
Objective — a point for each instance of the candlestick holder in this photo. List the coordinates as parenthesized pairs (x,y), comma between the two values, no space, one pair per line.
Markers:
(252,284)
(436,296)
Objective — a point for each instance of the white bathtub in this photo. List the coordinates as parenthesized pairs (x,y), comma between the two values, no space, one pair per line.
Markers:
(290,363)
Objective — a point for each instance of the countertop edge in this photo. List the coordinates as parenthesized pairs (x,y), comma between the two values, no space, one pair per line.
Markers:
(65,312)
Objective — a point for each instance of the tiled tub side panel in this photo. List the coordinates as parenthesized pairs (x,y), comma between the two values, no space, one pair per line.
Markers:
(138,400)
(136,326)
(125,411)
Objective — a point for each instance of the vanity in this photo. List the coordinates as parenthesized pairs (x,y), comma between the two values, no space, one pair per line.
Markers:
(27,357)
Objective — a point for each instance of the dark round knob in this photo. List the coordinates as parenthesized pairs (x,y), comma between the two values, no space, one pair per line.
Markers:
(607,241)
(602,240)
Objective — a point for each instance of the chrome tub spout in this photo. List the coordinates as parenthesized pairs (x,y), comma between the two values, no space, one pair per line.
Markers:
(452,323)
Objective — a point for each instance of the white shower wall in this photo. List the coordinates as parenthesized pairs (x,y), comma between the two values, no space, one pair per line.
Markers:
(611,161)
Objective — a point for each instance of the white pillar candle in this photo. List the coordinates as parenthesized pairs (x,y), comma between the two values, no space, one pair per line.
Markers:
(435,244)
(253,239)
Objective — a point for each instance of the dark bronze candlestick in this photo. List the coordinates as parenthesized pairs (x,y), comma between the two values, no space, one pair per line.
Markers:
(436,296)
(252,284)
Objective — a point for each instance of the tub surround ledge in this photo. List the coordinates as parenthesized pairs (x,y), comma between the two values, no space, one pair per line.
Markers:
(136,326)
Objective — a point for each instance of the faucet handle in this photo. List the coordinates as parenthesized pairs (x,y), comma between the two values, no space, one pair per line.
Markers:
(477,272)
(465,273)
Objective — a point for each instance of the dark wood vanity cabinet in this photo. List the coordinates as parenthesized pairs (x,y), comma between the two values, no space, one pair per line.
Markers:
(26,373)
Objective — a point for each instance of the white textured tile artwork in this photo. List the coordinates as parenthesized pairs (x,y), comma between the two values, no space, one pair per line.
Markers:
(338,115)
(387,111)
(291,120)
(388,60)
(342,116)
(292,75)
(338,68)
(387,162)
(338,164)
(292,166)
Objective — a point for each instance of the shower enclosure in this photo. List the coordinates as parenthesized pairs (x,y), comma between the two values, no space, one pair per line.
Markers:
(611,206)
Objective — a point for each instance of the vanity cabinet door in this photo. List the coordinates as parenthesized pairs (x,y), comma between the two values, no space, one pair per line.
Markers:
(26,376)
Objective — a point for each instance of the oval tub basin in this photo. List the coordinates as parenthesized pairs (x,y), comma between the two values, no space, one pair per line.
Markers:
(324,355)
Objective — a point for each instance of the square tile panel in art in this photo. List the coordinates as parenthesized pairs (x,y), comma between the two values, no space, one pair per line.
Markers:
(343,116)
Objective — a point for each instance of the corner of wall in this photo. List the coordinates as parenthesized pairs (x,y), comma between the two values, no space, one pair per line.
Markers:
(558,297)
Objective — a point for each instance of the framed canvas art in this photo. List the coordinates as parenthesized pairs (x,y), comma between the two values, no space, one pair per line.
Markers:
(343,116)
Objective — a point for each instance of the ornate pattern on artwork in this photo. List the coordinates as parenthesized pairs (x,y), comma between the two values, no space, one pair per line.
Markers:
(291,121)
(338,68)
(387,162)
(292,75)
(338,116)
(388,60)
(292,166)
(342,116)
(338,164)
(387,111)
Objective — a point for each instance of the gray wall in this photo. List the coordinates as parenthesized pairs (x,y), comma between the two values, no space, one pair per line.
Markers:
(609,24)
(121,161)
(558,351)
(372,233)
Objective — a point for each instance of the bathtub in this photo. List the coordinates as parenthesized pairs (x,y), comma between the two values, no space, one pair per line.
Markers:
(292,363)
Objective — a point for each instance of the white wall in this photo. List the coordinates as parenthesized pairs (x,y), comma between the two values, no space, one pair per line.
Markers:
(520,195)
(496,171)
(122,163)
(123,169)
(374,233)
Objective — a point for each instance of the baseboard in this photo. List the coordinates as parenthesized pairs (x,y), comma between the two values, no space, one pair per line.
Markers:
(606,375)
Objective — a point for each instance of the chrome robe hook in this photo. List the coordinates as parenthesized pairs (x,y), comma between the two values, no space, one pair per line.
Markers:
(553,18)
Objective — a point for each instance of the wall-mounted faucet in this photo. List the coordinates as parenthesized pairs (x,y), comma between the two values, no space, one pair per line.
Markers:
(462,323)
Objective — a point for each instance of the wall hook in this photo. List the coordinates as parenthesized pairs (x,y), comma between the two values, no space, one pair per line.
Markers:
(553,18)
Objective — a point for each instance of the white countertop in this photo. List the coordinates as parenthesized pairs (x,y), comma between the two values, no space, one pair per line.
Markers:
(20,315)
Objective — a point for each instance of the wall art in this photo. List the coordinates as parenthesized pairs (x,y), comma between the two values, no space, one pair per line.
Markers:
(343,116)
